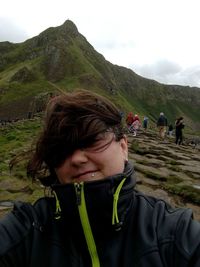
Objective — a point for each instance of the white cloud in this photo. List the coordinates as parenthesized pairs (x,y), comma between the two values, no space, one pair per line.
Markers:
(10,31)
(159,38)
(168,72)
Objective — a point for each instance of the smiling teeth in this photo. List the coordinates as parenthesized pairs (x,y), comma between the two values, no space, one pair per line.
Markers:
(93,175)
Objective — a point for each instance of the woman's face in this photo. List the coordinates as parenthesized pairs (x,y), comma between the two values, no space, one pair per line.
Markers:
(104,158)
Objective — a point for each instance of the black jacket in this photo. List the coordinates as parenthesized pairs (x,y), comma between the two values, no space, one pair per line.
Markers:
(179,126)
(162,121)
(139,231)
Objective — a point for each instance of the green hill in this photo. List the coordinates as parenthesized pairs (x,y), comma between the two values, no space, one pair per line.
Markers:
(60,57)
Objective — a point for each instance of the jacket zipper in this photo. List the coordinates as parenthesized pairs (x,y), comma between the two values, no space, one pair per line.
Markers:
(80,196)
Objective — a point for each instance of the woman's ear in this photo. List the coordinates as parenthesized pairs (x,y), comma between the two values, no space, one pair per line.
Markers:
(124,147)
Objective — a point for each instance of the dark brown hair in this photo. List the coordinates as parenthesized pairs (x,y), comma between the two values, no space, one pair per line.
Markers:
(72,120)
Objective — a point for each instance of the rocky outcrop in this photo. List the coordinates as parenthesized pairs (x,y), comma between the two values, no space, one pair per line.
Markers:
(23,75)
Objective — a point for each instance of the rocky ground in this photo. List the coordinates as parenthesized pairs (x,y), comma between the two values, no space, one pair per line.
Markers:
(166,170)
(163,170)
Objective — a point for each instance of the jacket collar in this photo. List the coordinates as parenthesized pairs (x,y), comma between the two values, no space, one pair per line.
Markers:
(98,198)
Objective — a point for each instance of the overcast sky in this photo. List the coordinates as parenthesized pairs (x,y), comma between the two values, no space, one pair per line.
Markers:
(158,39)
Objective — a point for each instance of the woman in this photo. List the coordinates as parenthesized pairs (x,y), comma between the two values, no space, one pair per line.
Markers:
(129,121)
(179,125)
(95,216)
(135,125)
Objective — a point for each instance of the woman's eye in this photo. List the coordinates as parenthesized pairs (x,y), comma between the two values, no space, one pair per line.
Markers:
(96,144)
(99,144)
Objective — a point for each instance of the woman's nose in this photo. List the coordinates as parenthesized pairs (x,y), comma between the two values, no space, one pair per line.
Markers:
(78,157)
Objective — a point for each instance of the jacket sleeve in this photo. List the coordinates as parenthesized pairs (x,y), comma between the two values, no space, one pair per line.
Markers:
(187,241)
(15,229)
(178,236)
(21,231)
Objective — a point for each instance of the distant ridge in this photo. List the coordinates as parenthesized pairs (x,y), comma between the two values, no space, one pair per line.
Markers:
(64,57)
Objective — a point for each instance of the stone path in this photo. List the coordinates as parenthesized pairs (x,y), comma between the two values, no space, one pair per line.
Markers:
(163,169)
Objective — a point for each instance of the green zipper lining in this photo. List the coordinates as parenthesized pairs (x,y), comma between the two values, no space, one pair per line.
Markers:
(86,226)
(85,220)
(58,208)
(115,218)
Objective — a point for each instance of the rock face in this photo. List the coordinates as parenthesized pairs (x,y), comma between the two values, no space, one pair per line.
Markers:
(23,75)
(167,171)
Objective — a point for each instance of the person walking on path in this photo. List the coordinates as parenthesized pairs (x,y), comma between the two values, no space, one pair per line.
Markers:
(129,119)
(145,123)
(162,124)
(135,125)
(179,125)
(170,130)
(94,216)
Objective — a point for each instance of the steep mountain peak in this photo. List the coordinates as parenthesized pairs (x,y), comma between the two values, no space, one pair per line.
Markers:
(62,55)
(65,31)
(69,25)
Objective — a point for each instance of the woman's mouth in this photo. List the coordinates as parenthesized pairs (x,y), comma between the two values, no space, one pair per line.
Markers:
(84,176)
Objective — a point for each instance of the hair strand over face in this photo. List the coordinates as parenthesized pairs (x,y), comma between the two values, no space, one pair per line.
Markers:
(72,120)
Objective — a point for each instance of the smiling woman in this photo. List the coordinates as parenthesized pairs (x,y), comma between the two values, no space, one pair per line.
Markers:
(77,122)
(94,162)
(94,217)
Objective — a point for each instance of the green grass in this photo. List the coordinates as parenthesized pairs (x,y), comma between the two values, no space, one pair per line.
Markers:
(175,168)
(135,147)
(187,192)
(150,174)
(171,184)
(14,140)
(17,138)
(172,162)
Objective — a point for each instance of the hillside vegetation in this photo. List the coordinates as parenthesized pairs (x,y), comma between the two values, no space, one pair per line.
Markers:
(60,57)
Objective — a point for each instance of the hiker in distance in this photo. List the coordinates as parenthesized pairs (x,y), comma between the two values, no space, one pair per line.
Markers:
(95,217)
(135,126)
(129,120)
(162,124)
(145,123)
(179,126)
(170,130)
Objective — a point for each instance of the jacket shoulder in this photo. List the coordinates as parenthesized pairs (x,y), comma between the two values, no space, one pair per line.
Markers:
(173,227)
(16,225)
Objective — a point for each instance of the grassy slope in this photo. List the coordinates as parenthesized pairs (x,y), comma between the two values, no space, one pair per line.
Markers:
(15,139)
(64,56)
